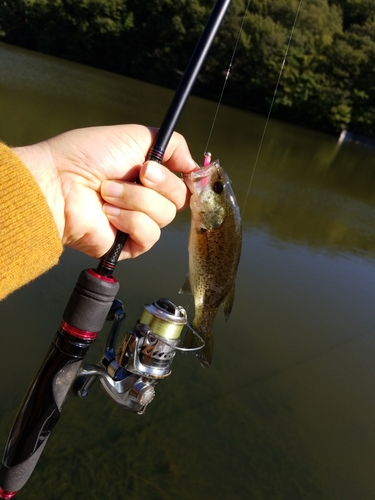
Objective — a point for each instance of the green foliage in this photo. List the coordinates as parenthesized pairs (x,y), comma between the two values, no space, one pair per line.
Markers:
(327,80)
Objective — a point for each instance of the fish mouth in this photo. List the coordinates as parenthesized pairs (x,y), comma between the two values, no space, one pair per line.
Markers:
(201,177)
(197,180)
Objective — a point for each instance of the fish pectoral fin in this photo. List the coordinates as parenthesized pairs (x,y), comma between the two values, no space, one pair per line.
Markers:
(186,287)
(228,303)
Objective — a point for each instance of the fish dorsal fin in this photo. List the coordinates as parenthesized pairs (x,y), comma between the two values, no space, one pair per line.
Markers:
(186,287)
(228,303)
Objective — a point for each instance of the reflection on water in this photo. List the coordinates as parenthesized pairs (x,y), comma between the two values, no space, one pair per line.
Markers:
(320,195)
(287,409)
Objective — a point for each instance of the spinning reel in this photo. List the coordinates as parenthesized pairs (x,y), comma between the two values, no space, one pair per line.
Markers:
(130,373)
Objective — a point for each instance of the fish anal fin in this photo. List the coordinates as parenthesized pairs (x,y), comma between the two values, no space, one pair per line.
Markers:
(186,287)
(228,303)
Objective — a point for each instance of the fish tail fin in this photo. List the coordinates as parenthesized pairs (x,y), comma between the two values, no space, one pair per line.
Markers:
(204,355)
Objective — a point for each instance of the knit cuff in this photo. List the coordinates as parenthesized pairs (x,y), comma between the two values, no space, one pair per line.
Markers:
(29,240)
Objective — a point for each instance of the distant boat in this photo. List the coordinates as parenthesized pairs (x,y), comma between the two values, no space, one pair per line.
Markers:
(362,140)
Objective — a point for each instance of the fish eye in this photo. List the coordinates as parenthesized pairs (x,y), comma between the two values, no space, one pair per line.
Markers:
(218,187)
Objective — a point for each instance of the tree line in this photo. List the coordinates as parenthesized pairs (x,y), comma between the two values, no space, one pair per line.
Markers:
(328,78)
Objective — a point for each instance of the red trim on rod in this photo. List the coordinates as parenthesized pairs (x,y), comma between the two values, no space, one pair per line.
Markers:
(110,279)
(76,332)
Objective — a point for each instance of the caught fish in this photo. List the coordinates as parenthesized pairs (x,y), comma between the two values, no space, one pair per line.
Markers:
(214,251)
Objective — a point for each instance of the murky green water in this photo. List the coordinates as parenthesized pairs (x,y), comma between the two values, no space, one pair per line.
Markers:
(287,410)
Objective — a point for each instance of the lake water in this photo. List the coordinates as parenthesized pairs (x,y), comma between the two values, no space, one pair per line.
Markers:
(287,409)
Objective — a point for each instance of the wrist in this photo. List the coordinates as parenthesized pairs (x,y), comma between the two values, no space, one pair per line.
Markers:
(39,159)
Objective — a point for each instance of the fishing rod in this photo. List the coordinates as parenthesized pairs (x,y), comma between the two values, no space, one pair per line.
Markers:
(128,375)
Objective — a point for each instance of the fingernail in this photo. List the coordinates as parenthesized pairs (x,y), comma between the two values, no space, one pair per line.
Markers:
(112,188)
(110,209)
(154,173)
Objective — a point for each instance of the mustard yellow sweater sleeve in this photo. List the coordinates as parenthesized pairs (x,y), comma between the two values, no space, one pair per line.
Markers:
(29,240)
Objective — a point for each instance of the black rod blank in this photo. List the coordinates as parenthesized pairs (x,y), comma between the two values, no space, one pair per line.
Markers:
(186,84)
(109,260)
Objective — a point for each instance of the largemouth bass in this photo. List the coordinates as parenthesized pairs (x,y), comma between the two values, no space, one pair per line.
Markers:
(214,251)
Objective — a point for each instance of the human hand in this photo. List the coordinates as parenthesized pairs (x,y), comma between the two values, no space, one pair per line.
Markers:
(89,178)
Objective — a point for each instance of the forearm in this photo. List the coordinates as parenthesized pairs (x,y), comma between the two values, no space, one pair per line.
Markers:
(30,243)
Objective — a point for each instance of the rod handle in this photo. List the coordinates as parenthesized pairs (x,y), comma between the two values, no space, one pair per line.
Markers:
(83,318)
(36,419)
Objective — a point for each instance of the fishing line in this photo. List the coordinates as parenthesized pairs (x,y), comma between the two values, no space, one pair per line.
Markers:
(272,103)
(227,74)
(274,93)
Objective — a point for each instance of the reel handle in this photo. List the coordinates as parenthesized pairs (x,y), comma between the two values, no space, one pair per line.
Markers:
(83,318)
